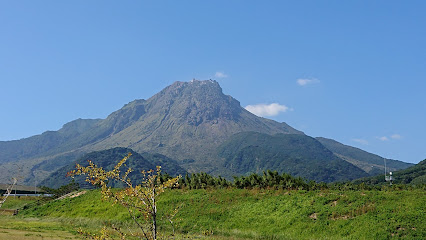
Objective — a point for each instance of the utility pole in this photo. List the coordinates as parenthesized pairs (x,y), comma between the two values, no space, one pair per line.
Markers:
(388,178)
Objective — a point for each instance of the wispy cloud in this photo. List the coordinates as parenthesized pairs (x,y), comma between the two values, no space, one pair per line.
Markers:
(396,136)
(265,110)
(387,138)
(305,81)
(220,75)
(361,141)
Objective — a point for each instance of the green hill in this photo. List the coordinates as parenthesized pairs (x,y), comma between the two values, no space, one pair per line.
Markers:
(415,175)
(107,159)
(296,154)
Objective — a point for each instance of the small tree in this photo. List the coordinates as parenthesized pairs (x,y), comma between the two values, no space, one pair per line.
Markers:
(139,199)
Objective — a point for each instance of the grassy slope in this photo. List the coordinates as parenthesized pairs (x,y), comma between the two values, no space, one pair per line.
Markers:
(17,202)
(269,214)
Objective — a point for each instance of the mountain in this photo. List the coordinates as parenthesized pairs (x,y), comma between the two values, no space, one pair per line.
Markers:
(370,163)
(49,142)
(186,121)
(296,154)
(414,175)
(107,159)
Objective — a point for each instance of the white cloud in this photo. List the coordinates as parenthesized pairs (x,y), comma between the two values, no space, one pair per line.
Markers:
(220,75)
(387,138)
(362,141)
(396,136)
(306,81)
(384,138)
(264,110)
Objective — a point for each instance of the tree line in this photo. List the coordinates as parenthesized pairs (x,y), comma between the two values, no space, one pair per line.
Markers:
(273,180)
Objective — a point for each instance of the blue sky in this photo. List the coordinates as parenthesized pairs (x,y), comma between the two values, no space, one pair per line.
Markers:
(353,71)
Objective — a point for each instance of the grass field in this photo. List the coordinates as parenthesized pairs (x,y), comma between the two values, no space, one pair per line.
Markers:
(238,214)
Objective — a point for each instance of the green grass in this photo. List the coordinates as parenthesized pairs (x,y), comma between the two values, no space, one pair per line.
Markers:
(302,215)
(13,202)
(88,205)
(255,214)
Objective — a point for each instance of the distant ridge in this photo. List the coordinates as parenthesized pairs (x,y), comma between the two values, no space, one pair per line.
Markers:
(370,163)
(414,175)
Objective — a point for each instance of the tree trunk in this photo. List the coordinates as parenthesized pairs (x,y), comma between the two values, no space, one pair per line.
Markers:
(154,216)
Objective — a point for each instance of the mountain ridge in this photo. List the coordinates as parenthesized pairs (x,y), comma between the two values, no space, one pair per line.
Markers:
(196,109)
(370,163)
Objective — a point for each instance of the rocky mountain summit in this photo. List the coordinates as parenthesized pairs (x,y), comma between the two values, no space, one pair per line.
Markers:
(187,120)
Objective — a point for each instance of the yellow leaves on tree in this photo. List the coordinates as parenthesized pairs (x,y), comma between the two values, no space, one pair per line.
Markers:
(138,200)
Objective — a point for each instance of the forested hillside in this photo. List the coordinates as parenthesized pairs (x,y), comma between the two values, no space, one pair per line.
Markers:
(107,159)
(296,154)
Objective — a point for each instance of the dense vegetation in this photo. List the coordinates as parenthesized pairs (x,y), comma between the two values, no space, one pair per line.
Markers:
(274,180)
(267,180)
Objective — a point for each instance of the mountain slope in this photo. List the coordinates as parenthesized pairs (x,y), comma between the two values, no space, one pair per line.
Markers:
(370,163)
(107,159)
(189,120)
(296,154)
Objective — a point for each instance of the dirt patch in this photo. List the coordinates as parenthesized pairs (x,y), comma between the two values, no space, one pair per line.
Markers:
(343,217)
(77,194)
(314,216)
(72,195)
